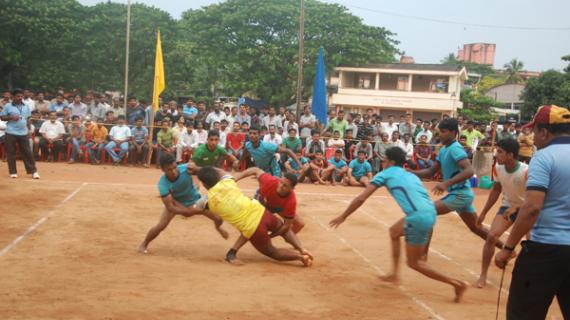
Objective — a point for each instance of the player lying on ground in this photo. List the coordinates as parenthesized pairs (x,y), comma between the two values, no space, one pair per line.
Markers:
(255,223)
(179,196)
(453,162)
(511,176)
(416,226)
(278,197)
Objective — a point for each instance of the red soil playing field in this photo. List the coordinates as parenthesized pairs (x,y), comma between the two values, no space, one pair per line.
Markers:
(82,263)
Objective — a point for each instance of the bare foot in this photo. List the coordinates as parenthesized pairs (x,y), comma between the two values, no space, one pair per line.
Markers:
(481,282)
(390,278)
(307,261)
(460,289)
(143,249)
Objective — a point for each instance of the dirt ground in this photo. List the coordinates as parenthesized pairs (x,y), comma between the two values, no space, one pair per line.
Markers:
(68,251)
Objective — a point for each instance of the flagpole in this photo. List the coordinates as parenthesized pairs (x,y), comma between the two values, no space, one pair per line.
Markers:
(300,62)
(127,53)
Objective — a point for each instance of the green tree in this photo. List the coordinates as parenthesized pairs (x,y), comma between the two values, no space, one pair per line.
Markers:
(477,106)
(251,45)
(513,70)
(552,87)
(491,81)
(567,59)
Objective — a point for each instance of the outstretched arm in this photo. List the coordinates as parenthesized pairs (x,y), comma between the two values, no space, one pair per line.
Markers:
(428,172)
(253,171)
(353,206)
(290,154)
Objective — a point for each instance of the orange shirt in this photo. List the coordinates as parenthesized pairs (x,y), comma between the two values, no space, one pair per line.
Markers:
(99,133)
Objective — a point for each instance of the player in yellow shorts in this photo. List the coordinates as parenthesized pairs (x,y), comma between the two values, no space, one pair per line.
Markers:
(250,217)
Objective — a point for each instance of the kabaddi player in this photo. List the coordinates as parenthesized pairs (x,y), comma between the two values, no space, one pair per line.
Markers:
(255,223)
(278,196)
(511,176)
(179,196)
(416,227)
(453,162)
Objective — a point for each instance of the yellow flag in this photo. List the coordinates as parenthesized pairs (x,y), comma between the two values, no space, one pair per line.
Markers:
(159,80)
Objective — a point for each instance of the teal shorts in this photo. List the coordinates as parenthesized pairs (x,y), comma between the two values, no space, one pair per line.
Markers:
(418,227)
(460,201)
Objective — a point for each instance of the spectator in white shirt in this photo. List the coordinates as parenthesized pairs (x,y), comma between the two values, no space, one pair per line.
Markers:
(272,119)
(291,124)
(52,132)
(120,136)
(307,123)
(273,136)
(390,126)
(201,134)
(78,108)
(223,135)
(426,130)
(336,141)
(407,146)
(215,116)
(187,142)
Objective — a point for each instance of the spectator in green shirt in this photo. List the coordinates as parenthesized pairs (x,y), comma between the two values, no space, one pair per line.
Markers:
(338,124)
(165,141)
(211,153)
(471,134)
(292,142)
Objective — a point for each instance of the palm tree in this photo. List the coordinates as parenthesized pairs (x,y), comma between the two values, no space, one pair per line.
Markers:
(513,70)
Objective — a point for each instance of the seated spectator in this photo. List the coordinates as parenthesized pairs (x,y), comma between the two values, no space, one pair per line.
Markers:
(408,147)
(291,124)
(187,143)
(395,140)
(236,141)
(292,142)
(110,120)
(380,151)
(58,105)
(291,166)
(468,150)
(99,135)
(273,136)
(179,128)
(139,143)
(262,132)
(336,141)
(340,167)
(224,127)
(120,135)
(349,144)
(423,153)
(51,141)
(223,137)
(425,130)
(359,171)
(201,133)
(314,145)
(319,170)
(165,141)
(212,154)
(76,138)
(365,146)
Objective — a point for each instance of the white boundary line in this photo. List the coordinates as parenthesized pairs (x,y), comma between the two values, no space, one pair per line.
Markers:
(380,271)
(40,221)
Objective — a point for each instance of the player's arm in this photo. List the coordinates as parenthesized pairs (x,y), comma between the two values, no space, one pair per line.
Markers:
(233,159)
(285,227)
(290,154)
(428,172)
(353,206)
(253,171)
(174,207)
(491,200)
(466,173)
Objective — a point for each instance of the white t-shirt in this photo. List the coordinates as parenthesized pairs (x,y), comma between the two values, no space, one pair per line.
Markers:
(513,184)
(390,128)
(202,137)
(276,139)
(120,133)
(52,130)
(213,117)
(275,120)
(306,120)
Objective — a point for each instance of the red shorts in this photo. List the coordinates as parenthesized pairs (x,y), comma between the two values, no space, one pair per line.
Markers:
(260,239)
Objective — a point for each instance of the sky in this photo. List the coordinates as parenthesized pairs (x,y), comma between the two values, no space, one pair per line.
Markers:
(539,48)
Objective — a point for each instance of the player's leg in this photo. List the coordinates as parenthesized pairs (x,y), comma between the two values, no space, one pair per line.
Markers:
(442,207)
(298,224)
(364,181)
(396,232)
(165,219)
(498,227)
(470,220)
(326,174)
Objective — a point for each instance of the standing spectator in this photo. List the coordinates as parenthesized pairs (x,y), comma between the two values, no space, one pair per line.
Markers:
(235,141)
(76,138)
(110,120)
(134,111)
(506,132)
(364,131)
(471,134)
(118,107)
(99,108)
(423,153)
(58,105)
(273,136)
(35,124)
(542,268)
(338,124)
(222,133)
(407,126)
(99,135)
(29,99)
(232,116)
(272,119)
(139,143)
(215,116)
(380,151)
(359,171)
(179,128)
(351,125)
(6,98)
(189,110)
(291,124)
(89,102)
(187,142)
(78,108)
(366,146)
(307,123)
(201,116)
(174,114)
(466,148)
(163,113)
(51,132)
(526,141)
(336,141)
(349,144)
(2,134)
(292,142)
(243,116)
(42,105)
(165,141)
(426,130)
(316,144)
(17,115)
(119,136)
(418,129)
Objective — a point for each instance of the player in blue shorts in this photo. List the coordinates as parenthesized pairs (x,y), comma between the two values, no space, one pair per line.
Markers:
(263,153)
(418,223)
(456,168)
(179,196)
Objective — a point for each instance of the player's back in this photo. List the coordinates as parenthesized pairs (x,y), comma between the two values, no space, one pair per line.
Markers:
(226,200)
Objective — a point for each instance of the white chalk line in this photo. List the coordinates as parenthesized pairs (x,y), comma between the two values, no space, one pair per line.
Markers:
(39,222)
(380,271)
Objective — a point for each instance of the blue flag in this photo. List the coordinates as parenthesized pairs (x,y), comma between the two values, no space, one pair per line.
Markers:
(319,105)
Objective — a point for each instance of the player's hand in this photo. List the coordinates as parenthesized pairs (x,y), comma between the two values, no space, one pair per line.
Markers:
(334,223)
(439,188)
(480,220)
(305,252)
(502,258)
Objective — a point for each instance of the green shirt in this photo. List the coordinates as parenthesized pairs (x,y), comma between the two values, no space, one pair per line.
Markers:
(471,136)
(165,138)
(293,145)
(203,157)
(341,126)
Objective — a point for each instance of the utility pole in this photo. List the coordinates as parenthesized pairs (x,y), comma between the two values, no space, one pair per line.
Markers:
(127,52)
(300,62)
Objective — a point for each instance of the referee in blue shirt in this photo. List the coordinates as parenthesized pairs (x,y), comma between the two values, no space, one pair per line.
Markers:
(542,269)
(17,115)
